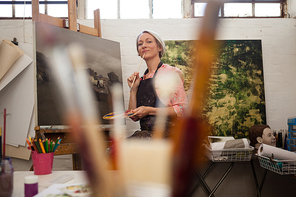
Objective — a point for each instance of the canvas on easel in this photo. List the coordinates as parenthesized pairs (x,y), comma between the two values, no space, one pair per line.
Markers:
(48,108)
(103,66)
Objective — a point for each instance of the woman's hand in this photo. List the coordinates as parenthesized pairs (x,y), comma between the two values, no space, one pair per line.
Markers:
(136,82)
(141,112)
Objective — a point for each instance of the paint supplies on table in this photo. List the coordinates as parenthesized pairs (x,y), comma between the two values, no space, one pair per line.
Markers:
(43,154)
(43,146)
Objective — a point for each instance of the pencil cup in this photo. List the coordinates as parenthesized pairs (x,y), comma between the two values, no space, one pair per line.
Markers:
(42,162)
(6,177)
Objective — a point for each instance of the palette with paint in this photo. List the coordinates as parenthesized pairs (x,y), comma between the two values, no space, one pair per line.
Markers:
(77,190)
(126,114)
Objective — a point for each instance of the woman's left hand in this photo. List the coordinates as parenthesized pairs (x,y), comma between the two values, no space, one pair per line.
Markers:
(141,112)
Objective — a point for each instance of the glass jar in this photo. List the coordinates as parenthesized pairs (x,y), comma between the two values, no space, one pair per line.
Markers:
(6,177)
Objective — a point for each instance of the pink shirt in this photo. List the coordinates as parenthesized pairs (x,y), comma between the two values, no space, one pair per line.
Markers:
(178,99)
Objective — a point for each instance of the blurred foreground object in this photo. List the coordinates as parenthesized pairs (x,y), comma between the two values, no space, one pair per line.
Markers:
(146,165)
(191,131)
(148,168)
(81,115)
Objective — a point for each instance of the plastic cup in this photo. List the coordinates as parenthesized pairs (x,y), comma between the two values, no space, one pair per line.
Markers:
(42,163)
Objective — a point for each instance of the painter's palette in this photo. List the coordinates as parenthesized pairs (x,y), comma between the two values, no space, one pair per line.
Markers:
(77,190)
(126,114)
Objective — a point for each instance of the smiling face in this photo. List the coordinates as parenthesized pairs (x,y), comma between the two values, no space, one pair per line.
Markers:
(147,44)
(268,137)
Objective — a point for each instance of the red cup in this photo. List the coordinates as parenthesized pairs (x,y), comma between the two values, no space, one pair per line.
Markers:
(42,163)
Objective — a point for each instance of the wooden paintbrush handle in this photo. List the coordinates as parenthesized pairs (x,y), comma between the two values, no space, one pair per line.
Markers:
(137,71)
(189,133)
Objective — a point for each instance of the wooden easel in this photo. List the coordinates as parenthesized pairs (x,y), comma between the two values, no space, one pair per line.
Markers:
(36,16)
(66,146)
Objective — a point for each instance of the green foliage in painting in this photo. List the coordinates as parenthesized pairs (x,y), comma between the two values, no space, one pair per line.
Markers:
(178,55)
(236,99)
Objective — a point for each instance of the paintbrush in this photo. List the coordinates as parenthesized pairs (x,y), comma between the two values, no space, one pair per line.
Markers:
(0,145)
(117,134)
(146,164)
(137,71)
(166,84)
(189,133)
(4,133)
(81,111)
(118,130)
(93,136)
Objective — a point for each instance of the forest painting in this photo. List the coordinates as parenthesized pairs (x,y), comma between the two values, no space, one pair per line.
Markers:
(236,98)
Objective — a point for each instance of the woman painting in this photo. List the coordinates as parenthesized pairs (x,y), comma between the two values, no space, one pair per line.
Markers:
(143,94)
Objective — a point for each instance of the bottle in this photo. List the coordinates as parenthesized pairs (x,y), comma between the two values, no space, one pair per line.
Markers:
(31,186)
(280,140)
(276,139)
(6,177)
(285,142)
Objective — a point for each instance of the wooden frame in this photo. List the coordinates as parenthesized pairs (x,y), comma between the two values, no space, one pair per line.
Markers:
(67,146)
(73,25)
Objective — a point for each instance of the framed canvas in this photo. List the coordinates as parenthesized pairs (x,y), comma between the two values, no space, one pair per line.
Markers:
(236,99)
(103,64)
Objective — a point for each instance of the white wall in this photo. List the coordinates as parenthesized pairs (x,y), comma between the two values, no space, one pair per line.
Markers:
(279,50)
(278,42)
(278,45)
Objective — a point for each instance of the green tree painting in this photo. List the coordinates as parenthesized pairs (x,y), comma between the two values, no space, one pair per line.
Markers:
(236,99)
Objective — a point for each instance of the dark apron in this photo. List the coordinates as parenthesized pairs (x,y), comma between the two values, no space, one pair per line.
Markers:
(146,96)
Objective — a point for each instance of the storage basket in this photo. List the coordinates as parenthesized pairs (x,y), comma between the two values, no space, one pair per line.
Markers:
(230,155)
(283,167)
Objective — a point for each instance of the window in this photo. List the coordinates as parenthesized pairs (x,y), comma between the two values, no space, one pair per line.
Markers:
(244,8)
(23,9)
(135,9)
(144,9)
(167,9)
(55,10)
(108,9)
(5,10)
(131,9)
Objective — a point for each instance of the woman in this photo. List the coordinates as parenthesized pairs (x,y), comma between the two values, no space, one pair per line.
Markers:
(143,96)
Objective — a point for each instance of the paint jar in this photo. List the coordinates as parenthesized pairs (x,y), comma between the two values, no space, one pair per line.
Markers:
(31,186)
(6,177)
